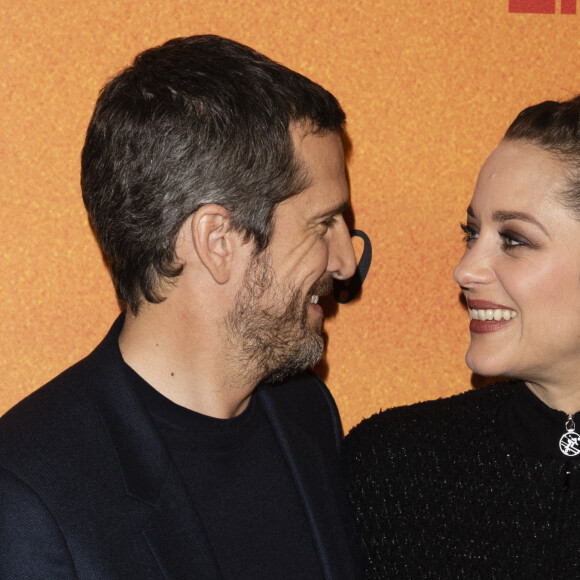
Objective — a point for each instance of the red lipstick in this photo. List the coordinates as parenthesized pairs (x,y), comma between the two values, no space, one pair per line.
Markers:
(485,326)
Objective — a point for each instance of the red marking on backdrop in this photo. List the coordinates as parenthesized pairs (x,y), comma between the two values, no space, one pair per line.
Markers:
(533,6)
(568,7)
(542,6)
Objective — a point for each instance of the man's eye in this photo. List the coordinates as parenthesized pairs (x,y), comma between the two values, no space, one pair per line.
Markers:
(329,222)
(469,234)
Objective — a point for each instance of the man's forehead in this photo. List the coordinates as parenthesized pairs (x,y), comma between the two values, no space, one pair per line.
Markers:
(322,157)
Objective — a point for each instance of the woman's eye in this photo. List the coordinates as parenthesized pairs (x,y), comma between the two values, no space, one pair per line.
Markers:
(469,234)
(510,240)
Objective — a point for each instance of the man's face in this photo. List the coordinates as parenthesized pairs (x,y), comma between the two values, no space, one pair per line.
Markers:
(276,321)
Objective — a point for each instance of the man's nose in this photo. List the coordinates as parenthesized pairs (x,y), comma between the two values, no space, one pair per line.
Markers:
(341,259)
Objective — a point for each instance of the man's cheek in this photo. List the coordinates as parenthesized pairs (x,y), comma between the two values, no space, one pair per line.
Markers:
(304,260)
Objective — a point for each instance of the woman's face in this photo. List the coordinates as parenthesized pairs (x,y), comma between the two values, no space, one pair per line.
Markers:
(521,268)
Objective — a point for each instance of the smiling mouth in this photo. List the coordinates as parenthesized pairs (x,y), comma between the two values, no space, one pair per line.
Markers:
(495,314)
(320,288)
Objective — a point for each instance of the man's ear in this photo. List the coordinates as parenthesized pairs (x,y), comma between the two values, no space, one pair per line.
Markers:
(214,240)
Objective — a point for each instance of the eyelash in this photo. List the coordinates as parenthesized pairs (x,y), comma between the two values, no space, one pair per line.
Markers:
(470,234)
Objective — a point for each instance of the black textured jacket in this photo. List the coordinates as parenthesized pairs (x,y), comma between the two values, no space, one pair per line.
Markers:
(473,486)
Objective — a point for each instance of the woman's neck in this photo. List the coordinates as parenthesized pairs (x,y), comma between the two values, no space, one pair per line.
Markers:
(561,398)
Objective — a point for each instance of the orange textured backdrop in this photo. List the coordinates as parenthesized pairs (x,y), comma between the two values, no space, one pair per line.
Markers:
(429,86)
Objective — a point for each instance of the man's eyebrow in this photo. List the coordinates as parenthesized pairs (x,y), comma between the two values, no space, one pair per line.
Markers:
(505,216)
(332,211)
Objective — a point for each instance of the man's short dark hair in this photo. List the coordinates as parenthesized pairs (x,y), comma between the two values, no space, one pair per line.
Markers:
(197,120)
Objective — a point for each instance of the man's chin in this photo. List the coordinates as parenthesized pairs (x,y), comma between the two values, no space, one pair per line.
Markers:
(280,375)
(316,327)
(308,357)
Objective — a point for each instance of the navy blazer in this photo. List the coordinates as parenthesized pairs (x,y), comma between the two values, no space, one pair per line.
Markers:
(88,490)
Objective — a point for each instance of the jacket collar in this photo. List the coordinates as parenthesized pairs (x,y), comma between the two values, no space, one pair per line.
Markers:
(317,477)
(534,426)
(174,531)
(143,461)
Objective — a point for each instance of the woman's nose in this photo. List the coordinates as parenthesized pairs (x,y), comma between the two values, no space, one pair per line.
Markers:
(475,267)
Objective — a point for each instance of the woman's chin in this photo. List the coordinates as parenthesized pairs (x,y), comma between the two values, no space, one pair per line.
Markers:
(485,366)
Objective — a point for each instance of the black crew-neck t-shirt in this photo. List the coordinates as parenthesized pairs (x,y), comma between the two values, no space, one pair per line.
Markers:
(241,487)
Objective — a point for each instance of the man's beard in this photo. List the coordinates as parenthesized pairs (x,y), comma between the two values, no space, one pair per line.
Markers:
(272,345)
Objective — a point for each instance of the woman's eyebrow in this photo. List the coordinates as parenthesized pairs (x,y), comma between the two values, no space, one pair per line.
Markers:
(504,216)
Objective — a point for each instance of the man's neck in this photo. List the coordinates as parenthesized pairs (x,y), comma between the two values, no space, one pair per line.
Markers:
(186,360)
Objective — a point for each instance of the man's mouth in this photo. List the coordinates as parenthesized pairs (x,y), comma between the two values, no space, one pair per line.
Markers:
(320,288)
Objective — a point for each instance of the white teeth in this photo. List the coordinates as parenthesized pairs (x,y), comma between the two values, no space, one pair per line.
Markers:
(314,299)
(489,314)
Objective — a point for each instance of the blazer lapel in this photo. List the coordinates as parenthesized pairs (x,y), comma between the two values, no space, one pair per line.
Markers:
(174,531)
(176,536)
(314,476)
